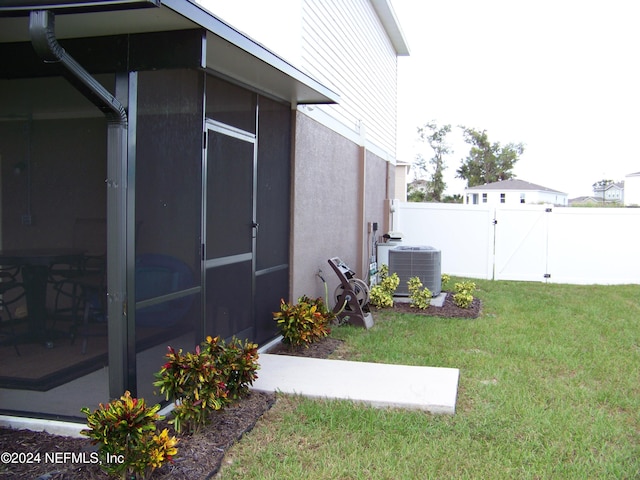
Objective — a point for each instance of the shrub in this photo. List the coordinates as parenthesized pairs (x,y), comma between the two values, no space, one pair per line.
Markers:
(420,297)
(236,361)
(467,286)
(205,381)
(381,294)
(463,300)
(379,298)
(444,280)
(464,294)
(125,432)
(304,322)
(195,384)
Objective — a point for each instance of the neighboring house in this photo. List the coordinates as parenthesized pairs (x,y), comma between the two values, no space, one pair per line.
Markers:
(632,190)
(584,200)
(611,193)
(513,192)
(226,175)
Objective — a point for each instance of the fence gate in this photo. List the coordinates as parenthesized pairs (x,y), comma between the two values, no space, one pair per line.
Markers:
(527,242)
(521,243)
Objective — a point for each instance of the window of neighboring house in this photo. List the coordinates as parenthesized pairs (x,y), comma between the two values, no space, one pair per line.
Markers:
(475,198)
(503,197)
(484,198)
(522,198)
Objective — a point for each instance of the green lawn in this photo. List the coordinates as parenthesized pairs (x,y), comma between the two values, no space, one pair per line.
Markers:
(549,388)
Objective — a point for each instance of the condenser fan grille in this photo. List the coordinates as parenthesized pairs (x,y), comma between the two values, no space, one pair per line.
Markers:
(421,262)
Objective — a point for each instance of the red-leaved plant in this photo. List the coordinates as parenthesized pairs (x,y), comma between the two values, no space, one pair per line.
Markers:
(200,383)
(304,322)
(237,361)
(125,432)
(196,386)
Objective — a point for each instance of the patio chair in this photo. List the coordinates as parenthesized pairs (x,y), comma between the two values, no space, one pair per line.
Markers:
(156,275)
(89,234)
(11,292)
(93,299)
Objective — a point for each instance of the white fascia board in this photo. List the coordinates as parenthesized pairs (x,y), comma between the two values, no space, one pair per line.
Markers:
(390,22)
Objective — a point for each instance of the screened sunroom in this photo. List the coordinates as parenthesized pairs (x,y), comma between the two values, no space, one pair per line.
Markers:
(145,179)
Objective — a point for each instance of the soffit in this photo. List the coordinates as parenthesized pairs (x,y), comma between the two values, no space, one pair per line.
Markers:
(228,51)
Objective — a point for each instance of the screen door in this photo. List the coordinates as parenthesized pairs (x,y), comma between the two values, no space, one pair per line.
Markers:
(230,231)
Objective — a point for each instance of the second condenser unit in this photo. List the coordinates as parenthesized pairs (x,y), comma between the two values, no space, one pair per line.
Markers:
(422,262)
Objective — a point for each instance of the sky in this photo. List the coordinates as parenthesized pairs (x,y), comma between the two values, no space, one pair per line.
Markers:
(560,76)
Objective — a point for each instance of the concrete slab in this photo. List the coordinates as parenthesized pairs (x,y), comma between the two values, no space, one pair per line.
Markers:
(431,389)
(55,427)
(437,301)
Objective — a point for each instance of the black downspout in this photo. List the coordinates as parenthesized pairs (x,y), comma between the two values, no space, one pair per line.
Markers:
(43,39)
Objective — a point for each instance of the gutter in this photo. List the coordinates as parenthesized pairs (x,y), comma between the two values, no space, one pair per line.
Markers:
(43,39)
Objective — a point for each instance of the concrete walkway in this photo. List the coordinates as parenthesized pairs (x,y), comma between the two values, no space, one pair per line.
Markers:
(431,389)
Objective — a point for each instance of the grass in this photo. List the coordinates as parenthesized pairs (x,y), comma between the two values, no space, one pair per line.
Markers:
(549,388)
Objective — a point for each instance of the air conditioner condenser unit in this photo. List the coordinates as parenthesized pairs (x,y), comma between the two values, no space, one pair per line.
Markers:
(422,262)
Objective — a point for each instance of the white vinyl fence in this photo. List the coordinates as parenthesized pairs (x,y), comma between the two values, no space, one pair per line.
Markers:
(527,242)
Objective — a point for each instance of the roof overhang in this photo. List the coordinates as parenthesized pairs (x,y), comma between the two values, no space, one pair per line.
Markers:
(226,50)
(390,22)
(234,54)
(23,7)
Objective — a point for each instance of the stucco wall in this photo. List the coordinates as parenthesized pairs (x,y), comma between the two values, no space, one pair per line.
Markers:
(329,217)
(379,186)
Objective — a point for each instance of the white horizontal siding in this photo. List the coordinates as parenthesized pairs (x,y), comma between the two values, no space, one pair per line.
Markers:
(345,46)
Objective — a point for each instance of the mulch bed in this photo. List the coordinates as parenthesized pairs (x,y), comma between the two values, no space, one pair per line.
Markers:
(199,456)
(320,349)
(448,310)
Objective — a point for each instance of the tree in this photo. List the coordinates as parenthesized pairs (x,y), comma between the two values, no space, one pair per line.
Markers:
(487,162)
(601,185)
(455,198)
(435,137)
(417,191)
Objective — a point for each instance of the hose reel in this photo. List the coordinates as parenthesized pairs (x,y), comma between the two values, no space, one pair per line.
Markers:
(352,296)
(359,287)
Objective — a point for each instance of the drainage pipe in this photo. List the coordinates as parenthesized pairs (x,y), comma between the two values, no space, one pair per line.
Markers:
(121,334)
(43,39)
